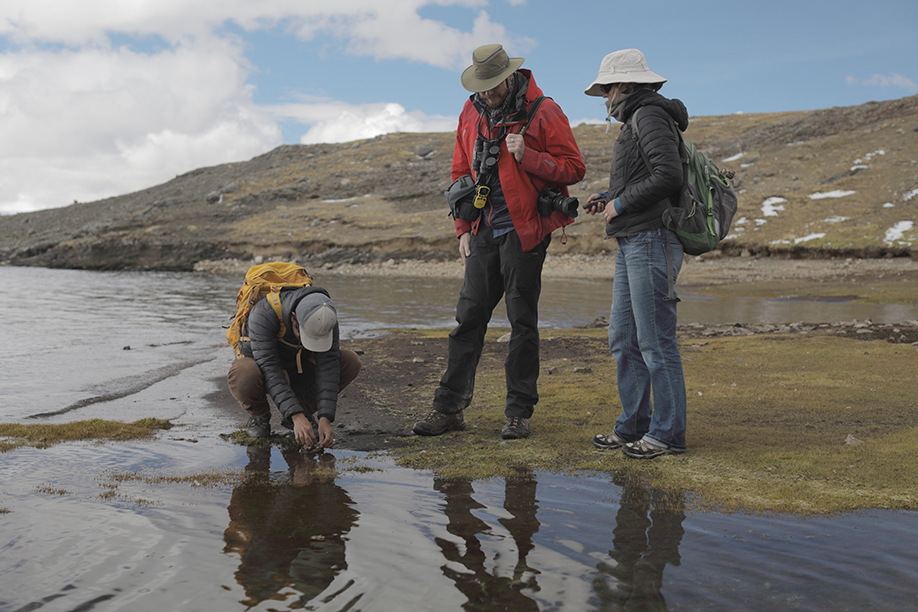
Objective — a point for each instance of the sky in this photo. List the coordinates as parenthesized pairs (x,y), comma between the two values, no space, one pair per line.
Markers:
(105,97)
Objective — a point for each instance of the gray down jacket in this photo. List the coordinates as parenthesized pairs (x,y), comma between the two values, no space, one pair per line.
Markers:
(274,357)
(644,194)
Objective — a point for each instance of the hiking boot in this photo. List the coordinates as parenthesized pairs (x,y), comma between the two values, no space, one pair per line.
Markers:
(436,423)
(515,428)
(608,441)
(259,426)
(643,449)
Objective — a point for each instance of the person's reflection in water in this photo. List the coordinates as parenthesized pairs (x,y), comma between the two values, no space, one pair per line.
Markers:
(647,534)
(288,531)
(484,590)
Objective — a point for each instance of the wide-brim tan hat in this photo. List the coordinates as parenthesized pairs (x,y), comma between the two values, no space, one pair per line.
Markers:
(490,67)
(625,66)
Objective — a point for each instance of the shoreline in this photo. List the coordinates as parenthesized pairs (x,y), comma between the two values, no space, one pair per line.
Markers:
(705,270)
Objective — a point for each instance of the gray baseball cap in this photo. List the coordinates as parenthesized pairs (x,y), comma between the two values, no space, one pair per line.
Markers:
(317,317)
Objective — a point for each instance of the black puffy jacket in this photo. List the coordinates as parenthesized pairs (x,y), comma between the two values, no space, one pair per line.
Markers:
(644,194)
(273,356)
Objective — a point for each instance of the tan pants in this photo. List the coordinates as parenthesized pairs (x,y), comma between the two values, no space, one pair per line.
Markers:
(247,384)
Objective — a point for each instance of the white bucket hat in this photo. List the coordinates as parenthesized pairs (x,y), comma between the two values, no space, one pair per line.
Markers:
(490,67)
(625,66)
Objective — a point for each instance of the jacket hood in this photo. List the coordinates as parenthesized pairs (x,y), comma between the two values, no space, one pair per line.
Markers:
(673,106)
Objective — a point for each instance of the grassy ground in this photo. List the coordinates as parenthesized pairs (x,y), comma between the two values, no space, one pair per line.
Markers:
(13,435)
(768,421)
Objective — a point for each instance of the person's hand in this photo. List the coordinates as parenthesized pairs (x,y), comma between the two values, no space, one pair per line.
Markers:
(516,146)
(326,433)
(465,245)
(610,213)
(302,430)
(594,204)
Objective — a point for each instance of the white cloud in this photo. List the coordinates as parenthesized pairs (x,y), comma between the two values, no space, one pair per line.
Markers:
(83,118)
(878,80)
(370,28)
(355,123)
(82,125)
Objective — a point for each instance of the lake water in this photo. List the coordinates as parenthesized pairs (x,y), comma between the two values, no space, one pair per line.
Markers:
(124,345)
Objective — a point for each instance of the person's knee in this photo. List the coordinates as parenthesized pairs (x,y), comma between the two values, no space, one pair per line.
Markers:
(350,367)
(245,381)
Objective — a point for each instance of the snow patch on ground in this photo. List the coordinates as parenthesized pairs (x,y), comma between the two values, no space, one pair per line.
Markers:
(808,238)
(838,193)
(897,232)
(772,206)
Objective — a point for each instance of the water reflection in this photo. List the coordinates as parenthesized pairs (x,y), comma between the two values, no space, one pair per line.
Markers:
(289,529)
(484,589)
(648,531)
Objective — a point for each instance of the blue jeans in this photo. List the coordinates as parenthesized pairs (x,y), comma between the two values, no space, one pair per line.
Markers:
(642,339)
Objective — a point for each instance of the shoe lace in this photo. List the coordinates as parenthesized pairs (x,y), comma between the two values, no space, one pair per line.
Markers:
(432,416)
(514,422)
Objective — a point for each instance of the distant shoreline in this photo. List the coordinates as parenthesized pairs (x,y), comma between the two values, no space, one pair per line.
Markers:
(696,271)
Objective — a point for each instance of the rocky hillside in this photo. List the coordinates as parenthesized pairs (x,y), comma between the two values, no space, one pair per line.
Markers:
(833,182)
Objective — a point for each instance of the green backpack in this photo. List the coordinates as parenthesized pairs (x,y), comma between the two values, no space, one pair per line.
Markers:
(701,212)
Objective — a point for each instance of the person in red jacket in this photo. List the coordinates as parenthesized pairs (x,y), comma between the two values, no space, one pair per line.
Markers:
(513,145)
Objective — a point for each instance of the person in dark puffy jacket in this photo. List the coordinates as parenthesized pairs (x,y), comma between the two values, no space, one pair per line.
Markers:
(646,171)
(303,372)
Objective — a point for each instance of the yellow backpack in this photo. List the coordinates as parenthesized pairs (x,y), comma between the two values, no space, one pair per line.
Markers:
(264,279)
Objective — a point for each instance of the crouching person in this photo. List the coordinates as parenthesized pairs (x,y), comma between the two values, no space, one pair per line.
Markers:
(302,368)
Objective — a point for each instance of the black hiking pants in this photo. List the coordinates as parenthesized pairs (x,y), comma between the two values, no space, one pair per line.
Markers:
(496,268)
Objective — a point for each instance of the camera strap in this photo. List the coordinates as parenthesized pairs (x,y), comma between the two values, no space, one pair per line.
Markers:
(482,191)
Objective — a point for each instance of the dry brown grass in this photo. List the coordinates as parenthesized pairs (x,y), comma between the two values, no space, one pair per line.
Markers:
(767,425)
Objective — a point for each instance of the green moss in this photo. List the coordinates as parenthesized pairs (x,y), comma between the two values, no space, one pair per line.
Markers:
(15,435)
(768,419)
(242,437)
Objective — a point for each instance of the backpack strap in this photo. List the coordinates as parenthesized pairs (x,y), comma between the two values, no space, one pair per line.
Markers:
(670,265)
(529,115)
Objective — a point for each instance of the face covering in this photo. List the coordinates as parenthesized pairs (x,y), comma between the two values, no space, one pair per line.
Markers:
(616,104)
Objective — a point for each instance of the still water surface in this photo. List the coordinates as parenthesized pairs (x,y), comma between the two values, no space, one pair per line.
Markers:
(130,345)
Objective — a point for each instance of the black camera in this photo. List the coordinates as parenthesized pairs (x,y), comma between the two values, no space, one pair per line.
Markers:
(551,200)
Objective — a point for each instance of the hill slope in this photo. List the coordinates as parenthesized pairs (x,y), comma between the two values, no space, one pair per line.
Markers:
(834,182)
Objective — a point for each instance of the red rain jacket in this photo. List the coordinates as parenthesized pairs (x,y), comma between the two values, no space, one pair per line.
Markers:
(552,157)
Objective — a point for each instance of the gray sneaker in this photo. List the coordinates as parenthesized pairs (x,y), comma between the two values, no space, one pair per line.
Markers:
(436,423)
(515,428)
(608,441)
(260,426)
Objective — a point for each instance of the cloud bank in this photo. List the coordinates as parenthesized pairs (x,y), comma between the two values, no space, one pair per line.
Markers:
(896,81)
(103,97)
